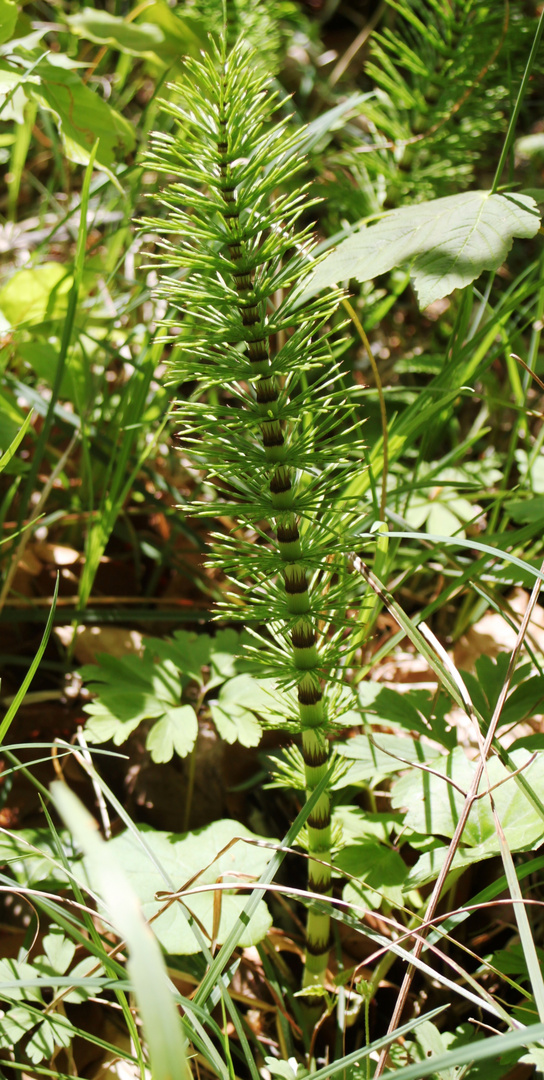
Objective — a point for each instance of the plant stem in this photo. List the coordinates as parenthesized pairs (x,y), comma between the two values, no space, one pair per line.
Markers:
(282,488)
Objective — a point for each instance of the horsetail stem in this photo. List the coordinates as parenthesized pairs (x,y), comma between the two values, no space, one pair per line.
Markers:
(270,447)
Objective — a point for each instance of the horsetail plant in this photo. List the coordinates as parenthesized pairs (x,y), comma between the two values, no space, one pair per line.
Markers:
(266,415)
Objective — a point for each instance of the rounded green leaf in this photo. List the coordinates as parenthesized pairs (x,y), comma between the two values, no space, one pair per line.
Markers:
(204,857)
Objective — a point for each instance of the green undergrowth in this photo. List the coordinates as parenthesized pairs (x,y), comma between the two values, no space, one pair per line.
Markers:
(271,502)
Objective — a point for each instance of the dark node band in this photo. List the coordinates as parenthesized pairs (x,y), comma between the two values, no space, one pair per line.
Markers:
(296,585)
(303,637)
(265,391)
(316,757)
(323,887)
(280,483)
(273,438)
(287,534)
(242,282)
(318,948)
(309,695)
(319,821)
(257,351)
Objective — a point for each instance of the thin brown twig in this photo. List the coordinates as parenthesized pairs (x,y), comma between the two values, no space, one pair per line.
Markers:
(356,45)
(463,818)
(396,144)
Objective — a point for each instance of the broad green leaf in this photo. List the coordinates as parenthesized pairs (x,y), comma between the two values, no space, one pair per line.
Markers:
(8,18)
(226,647)
(33,858)
(446,242)
(523,510)
(429,1042)
(434,806)
(131,689)
(36,296)
(58,956)
(102,725)
(12,95)
(414,710)
(381,873)
(43,357)
(86,967)
(12,419)
(128,37)
(83,117)
(189,653)
(177,731)
(358,824)
(14,971)
(183,857)
(535,1056)
(374,760)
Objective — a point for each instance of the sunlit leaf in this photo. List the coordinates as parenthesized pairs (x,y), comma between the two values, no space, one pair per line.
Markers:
(195,855)
(447,243)
(8,18)
(129,37)
(36,296)
(83,117)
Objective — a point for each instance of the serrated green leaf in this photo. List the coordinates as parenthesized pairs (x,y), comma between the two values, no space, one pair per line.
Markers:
(103,726)
(127,707)
(59,950)
(189,653)
(175,732)
(179,39)
(447,243)
(131,689)
(183,856)
(129,37)
(32,856)
(13,971)
(280,1068)
(47,1033)
(234,712)
(358,824)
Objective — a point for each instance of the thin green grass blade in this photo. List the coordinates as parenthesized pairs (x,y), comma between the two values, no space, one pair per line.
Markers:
(14,707)
(510,134)
(520,914)
(481,1050)
(67,331)
(8,454)
(161,1021)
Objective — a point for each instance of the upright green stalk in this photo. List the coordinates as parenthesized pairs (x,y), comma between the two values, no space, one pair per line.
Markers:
(266,419)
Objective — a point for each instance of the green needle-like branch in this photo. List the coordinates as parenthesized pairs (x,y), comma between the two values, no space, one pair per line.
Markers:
(268,418)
